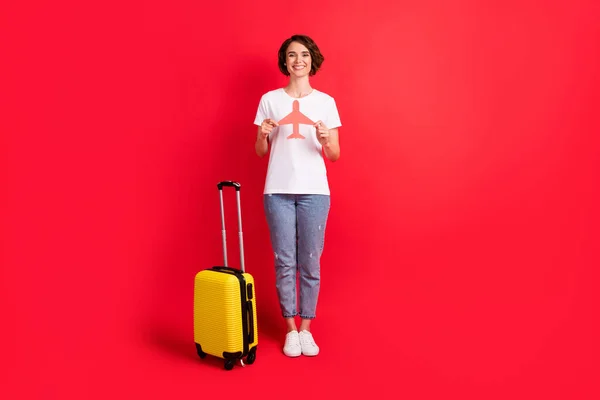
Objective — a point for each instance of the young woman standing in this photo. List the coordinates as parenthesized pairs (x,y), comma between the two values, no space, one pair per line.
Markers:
(299,125)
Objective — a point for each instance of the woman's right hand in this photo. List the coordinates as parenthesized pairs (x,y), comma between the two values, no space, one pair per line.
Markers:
(266,127)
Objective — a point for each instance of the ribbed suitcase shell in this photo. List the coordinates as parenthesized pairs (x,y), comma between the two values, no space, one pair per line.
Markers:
(218,317)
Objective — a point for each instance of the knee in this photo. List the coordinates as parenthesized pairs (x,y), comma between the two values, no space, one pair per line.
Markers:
(311,271)
(284,259)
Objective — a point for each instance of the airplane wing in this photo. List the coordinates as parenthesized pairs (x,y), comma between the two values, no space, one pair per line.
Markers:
(288,119)
(295,117)
(303,119)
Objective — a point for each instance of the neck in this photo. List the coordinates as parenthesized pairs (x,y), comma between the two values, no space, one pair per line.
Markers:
(298,87)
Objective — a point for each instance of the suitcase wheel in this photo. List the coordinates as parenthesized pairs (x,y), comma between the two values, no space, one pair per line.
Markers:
(229,364)
(251,356)
(201,354)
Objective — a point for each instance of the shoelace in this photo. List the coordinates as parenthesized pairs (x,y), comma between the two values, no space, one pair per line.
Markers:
(307,339)
(288,340)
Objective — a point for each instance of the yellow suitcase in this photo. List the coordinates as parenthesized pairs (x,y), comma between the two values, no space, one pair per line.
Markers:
(225,323)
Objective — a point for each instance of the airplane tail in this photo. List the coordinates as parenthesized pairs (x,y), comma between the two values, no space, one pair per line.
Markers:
(295,135)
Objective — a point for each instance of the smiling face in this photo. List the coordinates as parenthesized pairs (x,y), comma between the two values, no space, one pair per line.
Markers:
(298,60)
(299,56)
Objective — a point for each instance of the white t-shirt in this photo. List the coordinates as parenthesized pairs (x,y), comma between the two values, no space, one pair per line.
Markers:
(296,163)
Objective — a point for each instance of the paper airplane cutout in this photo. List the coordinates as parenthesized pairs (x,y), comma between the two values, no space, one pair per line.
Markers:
(296,118)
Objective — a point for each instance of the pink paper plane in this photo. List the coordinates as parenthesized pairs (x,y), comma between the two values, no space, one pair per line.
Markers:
(296,118)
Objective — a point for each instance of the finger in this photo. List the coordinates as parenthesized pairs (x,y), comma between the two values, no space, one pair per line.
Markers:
(271,122)
(320,124)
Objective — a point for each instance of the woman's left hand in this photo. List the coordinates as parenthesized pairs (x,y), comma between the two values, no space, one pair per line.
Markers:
(322,133)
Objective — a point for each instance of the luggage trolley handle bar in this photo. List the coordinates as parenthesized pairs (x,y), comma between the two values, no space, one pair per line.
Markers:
(237,187)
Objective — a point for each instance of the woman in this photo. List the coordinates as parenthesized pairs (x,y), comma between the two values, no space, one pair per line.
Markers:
(300,125)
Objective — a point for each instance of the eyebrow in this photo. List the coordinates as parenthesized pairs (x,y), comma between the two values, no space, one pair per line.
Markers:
(303,52)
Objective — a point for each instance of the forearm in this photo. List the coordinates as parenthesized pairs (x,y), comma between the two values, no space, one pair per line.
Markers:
(261,146)
(332,151)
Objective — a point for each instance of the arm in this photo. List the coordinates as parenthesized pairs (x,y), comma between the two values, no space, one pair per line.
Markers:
(262,143)
(332,148)
(262,137)
(329,139)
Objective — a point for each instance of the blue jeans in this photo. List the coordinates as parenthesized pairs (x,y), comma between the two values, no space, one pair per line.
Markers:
(297,230)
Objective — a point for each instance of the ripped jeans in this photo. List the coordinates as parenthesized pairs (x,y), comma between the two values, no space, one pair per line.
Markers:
(297,230)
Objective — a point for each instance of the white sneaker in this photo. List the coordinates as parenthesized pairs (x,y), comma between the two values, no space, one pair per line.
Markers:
(307,343)
(292,348)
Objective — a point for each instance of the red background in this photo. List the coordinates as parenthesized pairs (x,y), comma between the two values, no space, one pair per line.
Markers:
(462,247)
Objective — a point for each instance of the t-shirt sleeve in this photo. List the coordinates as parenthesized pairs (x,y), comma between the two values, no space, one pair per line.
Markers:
(333,116)
(261,113)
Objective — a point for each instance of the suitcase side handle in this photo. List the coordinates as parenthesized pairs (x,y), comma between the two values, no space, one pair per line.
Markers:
(237,187)
(251,322)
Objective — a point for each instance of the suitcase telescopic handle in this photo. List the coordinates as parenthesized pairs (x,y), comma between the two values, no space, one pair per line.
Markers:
(237,187)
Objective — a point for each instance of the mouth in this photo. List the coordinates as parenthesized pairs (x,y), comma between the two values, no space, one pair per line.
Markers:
(298,67)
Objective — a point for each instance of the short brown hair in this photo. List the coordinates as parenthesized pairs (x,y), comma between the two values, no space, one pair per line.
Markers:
(315,54)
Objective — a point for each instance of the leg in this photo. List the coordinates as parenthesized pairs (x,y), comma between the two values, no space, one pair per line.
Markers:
(313,211)
(291,324)
(280,211)
(281,218)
